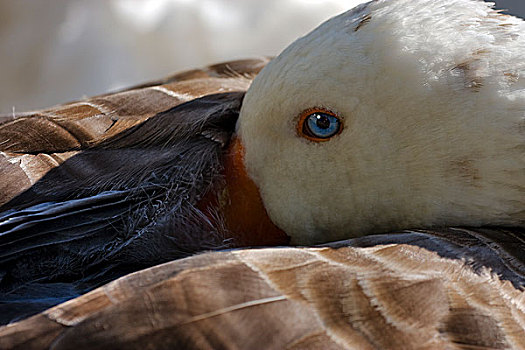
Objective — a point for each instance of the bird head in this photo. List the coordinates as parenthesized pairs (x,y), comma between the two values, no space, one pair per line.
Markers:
(395,114)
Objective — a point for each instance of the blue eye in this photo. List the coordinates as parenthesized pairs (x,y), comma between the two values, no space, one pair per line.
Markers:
(320,125)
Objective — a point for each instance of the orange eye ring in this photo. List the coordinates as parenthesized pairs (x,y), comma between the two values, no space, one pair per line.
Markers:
(319,124)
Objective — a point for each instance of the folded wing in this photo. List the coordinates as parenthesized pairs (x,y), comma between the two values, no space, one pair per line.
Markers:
(98,188)
(420,292)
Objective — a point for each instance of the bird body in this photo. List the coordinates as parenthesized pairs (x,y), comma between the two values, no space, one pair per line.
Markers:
(99,188)
(413,290)
(395,115)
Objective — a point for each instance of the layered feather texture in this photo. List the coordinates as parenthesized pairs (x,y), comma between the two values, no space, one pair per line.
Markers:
(413,290)
(110,185)
(99,188)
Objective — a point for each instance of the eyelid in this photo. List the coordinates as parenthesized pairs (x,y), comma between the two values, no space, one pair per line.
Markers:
(303,116)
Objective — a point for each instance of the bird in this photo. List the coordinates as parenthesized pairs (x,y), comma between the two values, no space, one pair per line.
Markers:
(396,127)
(101,187)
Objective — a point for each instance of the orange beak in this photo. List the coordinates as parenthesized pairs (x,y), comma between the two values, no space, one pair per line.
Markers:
(239,205)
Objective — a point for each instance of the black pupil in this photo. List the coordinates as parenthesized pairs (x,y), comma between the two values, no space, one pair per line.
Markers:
(323,121)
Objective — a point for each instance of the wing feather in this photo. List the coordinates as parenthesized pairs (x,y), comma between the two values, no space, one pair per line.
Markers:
(31,144)
(102,187)
(345,296)
(98,188)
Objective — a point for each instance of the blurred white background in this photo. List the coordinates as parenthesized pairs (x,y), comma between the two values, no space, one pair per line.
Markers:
(58,50)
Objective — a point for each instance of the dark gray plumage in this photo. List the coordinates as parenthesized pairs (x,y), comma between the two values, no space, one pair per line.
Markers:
(122,205)
(94,189)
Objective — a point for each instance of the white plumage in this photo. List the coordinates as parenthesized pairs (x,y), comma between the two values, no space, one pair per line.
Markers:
(432,97)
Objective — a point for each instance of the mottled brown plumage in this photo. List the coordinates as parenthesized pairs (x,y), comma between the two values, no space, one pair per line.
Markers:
(33,143)
(76,166)
(94,189)
(368,293)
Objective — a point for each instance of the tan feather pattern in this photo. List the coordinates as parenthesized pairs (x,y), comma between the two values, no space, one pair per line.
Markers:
(441,289)
(386,296)
(33,143)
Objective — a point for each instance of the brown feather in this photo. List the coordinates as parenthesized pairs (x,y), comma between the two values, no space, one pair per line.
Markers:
(388,296)
(453,288)
(94,189)
(34,143)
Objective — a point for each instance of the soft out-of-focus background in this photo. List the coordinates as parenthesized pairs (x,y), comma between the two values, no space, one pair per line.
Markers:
(54,51)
